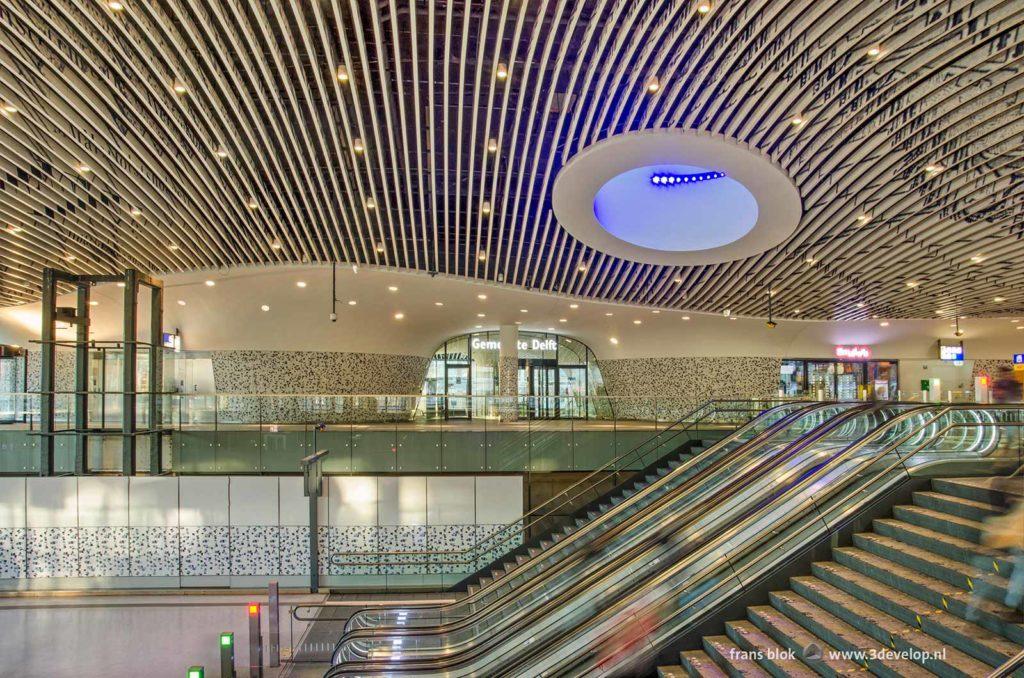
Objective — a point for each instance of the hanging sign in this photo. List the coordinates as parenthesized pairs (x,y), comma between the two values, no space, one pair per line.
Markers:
(951,352)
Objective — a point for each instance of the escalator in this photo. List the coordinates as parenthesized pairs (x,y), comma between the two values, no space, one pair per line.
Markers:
(661,566)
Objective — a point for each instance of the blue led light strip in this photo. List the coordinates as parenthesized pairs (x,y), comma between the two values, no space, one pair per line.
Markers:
(666,179)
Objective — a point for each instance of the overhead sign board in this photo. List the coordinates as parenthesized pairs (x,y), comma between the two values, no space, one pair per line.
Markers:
(853,352)
(1018,358)
(951,352)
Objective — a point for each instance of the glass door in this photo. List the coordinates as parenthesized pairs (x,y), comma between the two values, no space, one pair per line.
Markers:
(544,388)
(457,383)
(849,379)
(821,380)
(572,391)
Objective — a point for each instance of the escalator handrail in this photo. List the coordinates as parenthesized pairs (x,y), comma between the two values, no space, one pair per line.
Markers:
(792,448)
(533,516)
(759,439)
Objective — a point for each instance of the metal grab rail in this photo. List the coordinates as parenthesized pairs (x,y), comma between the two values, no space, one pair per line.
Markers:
(540,581)
(1008,667)
(567,496)
(806,483)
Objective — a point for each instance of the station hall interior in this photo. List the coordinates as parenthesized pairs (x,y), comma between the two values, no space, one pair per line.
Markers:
(675,338)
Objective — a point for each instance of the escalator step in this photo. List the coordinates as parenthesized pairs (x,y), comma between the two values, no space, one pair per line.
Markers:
(698,664)
(773,657)
(795,637)
(731,658)
(974,640)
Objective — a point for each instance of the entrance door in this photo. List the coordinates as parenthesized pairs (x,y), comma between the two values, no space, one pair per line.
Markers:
(544,388)
(572,391)
(849,379)
(457,383)
(821,379)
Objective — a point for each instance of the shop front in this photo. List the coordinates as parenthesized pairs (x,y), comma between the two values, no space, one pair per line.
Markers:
(851,375)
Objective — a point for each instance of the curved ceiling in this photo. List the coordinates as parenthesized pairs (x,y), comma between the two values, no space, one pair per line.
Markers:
(178,135)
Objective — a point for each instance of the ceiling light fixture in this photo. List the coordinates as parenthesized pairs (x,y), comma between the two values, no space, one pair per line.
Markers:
(300,283)
(264,308)
(875,51)
(179,87)
(638,322)
(933,168)
(399,315)
(501,72)
(392,288)
(912,283)
(380,247)
(352,302)
(276,245)
(83,168)
(563,320)
(669,179)
(481,315)
(999,300)
(863,217)
(810,260)
(652,84)
(613,340)
(574,305)
(94,303)
(8,109)
(796,120)
(438,303)
(582,268)
(492,145)
(115,6)
(357,145)
(371,204)
(609,314)
(883,324)
(181,302)
(523,310)
(70,257)
(481,297)
(172,246)
(342,73)
(703,6)
(252,204)
(221,152)
(977,258)
(486,207)
(135,212)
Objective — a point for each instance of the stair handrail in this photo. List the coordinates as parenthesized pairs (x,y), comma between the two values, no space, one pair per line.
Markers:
(1008,667)
(524,522)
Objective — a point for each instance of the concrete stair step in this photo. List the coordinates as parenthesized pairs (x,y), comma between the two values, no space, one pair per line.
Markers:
(888,630)
(957,506)
(697,664)
(959,574)
(733,660)
(969,638)
(980,489)
(774,658)
(961,550)
(793,636)
(946,523)
(671,672)
(940,594)
(837,633)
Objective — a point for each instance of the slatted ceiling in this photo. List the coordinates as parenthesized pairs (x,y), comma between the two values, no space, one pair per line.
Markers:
(95,86)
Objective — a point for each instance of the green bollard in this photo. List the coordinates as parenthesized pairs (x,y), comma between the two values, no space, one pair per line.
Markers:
(227,655)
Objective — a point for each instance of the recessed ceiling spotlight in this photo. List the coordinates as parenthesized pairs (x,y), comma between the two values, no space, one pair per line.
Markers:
(933,168)
(875,51)
(264,308)
(357,145)
(797,311)
(609,314)
(371,204)
(221,152)
(300,283)
(1020,327)
(884,323)
(551,329)
(392,288)
(733,318)
(655,311)
(83,168)
(519,322)
(863,217)
(999,300)
(172,246)
(352,302)
(638,322)
(8,109)
(14,229)
(861,304)
(478,326)
(703,6)
(179,87)
(120,284)
(810,260)
(613,340)
(977,258)
(678,280)
(501,72)
(481,297)
(481,315)
(523,310)
(94,303)
(652,84)
(574,305)
(276,245)
(399,315)
(181,302)
(1015,320)
(686,317)
(582,268)
(438,303)
(481,255)
(252,204)
(380,247)
(485,208)
(492,145)
(563,320)
(796,120)
(341,74)
(912,283)
(210,283)
(70,257)
(135,212)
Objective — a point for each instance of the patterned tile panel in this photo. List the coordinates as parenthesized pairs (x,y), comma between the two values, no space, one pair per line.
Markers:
(451,539)
(12,552)
(103,552)
(295,551)
(255,550)
(154,551)
(396,538)
(52,552)
(205,551)
(351,540)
